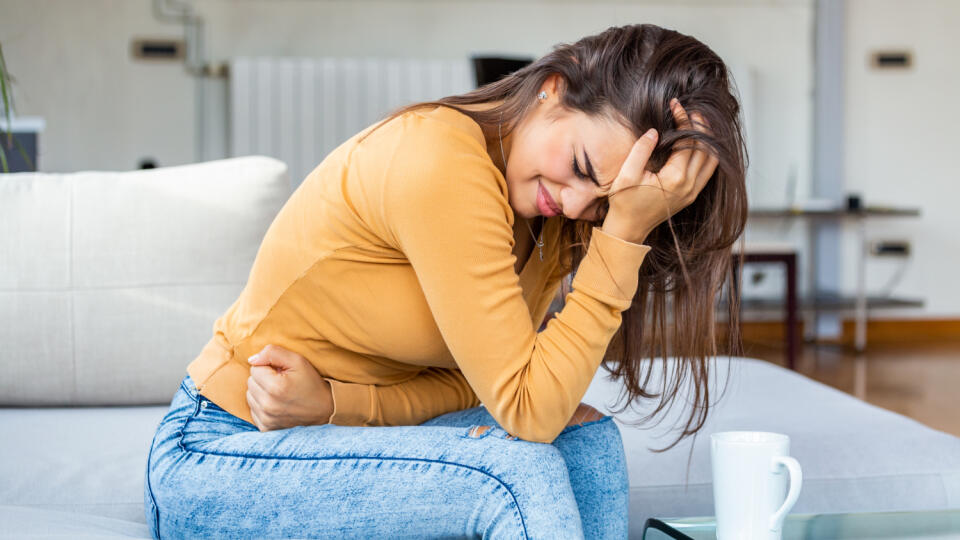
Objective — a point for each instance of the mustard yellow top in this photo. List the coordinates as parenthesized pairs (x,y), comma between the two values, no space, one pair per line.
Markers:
(390,269)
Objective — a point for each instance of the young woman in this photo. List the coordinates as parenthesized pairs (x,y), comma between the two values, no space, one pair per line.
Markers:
(402,285)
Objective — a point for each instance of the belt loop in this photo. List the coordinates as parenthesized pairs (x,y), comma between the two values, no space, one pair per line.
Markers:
(195,388)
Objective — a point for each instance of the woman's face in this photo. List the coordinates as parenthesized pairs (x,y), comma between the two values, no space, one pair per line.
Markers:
(550,150)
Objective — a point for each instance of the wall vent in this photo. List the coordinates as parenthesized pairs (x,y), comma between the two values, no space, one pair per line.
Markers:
(891,59)
(158,49)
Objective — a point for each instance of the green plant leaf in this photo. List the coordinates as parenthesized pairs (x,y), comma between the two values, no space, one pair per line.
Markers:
(7,109)
(3,159)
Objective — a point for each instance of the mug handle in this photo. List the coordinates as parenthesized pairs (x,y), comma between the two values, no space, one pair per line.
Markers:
(796,479)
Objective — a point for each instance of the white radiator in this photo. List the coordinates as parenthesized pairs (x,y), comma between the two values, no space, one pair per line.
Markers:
(299,109)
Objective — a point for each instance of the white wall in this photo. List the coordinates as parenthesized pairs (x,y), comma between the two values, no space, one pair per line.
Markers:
(902,144)
(104,110)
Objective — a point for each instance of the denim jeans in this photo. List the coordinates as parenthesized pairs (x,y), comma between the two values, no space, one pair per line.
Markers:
(210,474)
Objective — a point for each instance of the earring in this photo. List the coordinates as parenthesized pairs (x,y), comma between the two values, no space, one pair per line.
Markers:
(542,96)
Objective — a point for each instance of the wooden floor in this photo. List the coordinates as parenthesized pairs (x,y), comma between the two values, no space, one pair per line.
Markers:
(921,381)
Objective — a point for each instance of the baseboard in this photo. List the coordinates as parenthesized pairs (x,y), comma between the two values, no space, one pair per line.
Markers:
(879,331)
(766,330)
(905,330)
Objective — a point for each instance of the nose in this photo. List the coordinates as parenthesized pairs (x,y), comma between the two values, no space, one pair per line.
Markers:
(576,200)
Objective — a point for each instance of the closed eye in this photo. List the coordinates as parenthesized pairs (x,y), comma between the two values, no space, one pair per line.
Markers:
(603,206)
(579,173)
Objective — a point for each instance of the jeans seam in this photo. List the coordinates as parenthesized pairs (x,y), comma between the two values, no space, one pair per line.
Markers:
(179,432)
(153,498)
(500,482)
(187,390)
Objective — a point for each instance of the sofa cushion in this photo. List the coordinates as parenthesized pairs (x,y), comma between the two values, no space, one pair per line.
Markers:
(22,523)
(83,460)
(110,281)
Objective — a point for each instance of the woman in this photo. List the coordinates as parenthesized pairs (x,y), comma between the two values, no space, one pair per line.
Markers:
(402,284)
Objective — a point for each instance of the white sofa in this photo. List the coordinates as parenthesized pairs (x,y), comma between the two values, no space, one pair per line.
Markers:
(110,283)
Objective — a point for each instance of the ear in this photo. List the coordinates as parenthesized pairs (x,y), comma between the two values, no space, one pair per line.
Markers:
(553,85)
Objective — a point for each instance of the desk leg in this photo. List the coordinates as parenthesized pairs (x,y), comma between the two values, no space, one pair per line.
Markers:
(860,339)
(811,320)
(791,315)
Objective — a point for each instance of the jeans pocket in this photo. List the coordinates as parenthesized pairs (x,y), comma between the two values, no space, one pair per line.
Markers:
(209,410)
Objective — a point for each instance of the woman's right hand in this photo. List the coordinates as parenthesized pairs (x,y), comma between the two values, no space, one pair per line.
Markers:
(641,200)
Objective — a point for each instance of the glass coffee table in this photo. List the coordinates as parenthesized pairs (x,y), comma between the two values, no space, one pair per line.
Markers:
(940,524)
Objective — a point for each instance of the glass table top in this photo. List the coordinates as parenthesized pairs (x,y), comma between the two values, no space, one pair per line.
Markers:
(927,525)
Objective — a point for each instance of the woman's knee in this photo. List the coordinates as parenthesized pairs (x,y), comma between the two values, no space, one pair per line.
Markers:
(595,455)
(599,437)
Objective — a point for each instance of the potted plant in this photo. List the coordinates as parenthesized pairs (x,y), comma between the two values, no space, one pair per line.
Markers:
(7,141)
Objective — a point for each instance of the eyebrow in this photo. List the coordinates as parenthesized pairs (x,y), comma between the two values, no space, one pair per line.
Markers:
(590,170)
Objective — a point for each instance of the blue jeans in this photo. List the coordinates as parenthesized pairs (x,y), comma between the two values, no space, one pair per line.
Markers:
(210,474)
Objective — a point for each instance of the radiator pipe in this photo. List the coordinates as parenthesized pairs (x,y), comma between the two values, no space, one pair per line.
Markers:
(179,12)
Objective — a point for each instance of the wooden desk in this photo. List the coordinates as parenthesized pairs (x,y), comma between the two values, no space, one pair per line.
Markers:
(789,259)
(859,302)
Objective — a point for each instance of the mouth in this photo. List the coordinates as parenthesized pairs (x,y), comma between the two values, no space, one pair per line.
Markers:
(545,202)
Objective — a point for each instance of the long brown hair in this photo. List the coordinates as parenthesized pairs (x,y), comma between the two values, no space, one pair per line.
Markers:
(630,73)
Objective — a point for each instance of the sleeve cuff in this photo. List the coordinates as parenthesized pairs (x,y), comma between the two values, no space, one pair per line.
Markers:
(352,403)
(610,269)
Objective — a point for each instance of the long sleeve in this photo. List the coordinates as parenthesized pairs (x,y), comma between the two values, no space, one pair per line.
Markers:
(543,303)
(445,205)
(432,392)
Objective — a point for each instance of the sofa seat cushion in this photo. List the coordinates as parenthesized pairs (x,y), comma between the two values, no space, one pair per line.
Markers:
(90,461)
(23,522)
(85,460)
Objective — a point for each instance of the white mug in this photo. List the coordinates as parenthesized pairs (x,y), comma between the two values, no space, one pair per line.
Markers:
(749,484)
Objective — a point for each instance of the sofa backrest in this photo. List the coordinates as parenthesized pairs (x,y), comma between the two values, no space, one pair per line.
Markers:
(110,281)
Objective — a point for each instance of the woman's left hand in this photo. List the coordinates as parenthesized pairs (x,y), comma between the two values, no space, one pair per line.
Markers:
(285,390)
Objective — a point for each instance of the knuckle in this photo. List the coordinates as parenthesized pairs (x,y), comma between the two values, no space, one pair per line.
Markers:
(628,179)
(671,176)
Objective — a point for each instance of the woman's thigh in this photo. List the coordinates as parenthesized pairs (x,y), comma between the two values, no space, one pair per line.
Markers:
(596,464)
(212,474)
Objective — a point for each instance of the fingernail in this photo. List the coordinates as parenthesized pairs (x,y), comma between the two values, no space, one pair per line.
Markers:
(651,133)
(252,359)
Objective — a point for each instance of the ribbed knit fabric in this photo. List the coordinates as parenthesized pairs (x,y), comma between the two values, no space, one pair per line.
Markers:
(391,270)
